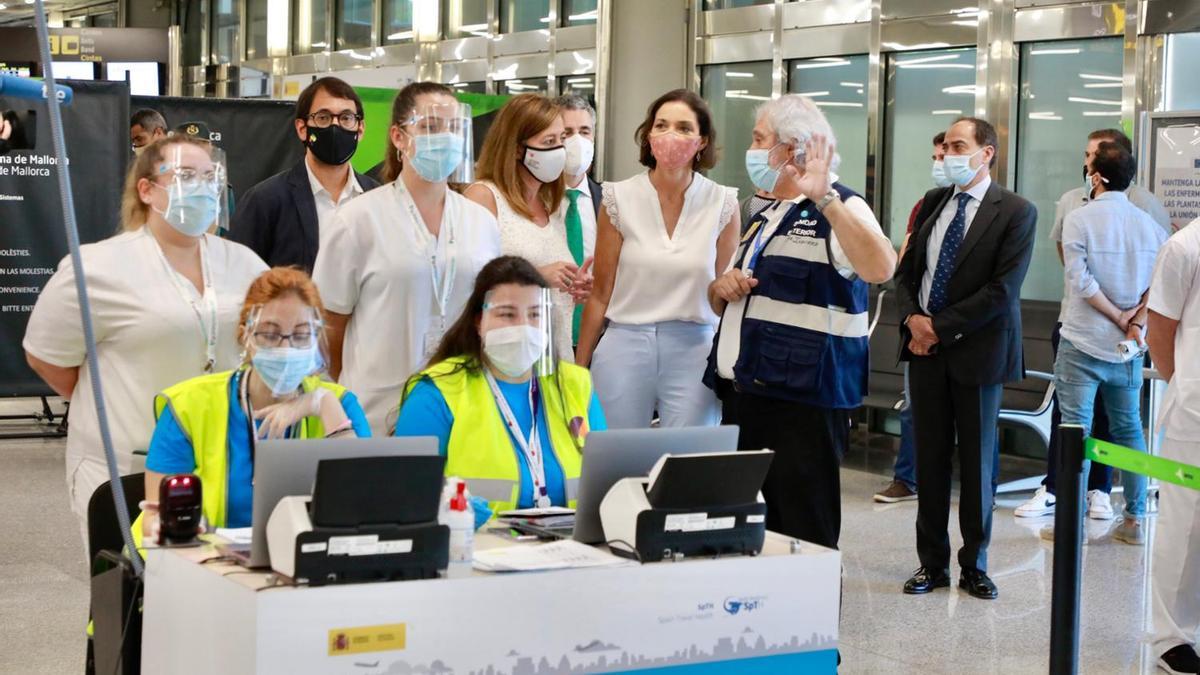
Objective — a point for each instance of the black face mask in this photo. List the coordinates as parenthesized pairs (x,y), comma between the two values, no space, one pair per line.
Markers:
(333,144)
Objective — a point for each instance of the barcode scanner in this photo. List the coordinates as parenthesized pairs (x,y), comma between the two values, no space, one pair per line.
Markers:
(178,509)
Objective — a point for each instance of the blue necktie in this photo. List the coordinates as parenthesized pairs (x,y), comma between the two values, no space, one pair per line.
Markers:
(945,264)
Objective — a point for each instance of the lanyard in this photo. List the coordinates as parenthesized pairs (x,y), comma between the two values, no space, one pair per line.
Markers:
(244,400)
(757,244)
(208,333)
(442,285)
(531,449)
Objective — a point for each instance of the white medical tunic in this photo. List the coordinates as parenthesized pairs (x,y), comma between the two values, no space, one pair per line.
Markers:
(375,263)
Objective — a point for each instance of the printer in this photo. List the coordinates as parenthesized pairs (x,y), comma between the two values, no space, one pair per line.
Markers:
(368,519)
(705,504)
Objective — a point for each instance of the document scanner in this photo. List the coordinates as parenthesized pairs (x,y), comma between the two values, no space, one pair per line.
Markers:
(690,505)
(368,519)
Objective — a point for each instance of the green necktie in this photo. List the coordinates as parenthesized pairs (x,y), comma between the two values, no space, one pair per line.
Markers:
(575,244)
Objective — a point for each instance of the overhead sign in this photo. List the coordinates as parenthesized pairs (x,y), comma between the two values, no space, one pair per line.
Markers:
(87,44)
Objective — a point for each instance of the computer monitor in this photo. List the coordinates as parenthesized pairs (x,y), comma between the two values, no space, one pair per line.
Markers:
(624,453)
(285,468)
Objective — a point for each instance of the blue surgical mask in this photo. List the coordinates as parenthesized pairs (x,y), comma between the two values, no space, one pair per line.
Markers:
(758,167)
(191,208)
(282,369)
(958,168)
(437,156)
(938,173)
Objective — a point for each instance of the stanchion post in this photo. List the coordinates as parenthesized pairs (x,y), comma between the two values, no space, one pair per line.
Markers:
(1068,550)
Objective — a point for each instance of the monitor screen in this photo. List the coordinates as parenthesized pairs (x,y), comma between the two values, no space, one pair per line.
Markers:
(142,76)
(74,70)
(16,68)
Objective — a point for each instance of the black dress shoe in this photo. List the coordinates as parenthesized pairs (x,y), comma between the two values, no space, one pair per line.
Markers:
(977,585)
(926,579)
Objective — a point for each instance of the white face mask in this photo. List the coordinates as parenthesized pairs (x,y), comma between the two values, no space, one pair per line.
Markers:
(580,152)
(546,164)
(514,349)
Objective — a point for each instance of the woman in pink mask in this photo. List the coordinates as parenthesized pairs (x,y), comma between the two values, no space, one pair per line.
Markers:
(661,238)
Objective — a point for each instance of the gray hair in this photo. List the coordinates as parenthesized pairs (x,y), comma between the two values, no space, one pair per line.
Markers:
(795,119)
(575,102)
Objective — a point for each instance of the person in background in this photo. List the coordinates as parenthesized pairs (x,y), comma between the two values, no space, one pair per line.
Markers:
(581,207)
(1099,483)
(483,402)
(1173,333)
(165,299)
(959,295)
(209,425)
(282,217)
(1109,247)
(790,361)
(753,205)
(145,127)
(397,264)
(520,172)
(663,236)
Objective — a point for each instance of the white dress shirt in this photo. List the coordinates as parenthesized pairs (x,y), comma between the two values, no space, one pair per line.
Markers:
(326,204)
(933,248)
(1175,294)
(587,215)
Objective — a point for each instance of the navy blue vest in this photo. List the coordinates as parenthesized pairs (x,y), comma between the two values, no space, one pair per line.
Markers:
(804,332)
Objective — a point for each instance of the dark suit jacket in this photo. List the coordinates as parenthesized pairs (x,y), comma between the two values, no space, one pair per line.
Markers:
(594,187)
(278,218)
(979,329)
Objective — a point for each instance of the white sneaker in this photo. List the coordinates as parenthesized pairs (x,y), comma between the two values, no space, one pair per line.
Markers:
(1040,504)
(1099,505)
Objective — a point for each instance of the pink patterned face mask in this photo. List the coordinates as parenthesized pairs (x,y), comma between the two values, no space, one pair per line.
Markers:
(672,151)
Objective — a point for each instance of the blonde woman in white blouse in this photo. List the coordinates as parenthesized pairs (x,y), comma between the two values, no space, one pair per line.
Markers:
(662,237)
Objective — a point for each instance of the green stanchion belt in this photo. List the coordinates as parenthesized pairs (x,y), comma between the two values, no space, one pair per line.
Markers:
(1128,459)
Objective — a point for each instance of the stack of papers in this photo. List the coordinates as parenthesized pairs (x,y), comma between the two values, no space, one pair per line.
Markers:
(235,535)
(555,555)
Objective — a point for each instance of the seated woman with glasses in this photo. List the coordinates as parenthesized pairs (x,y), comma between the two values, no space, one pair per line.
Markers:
(510,414)
(209,425)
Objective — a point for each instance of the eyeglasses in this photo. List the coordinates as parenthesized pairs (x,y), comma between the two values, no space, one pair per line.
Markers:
(213,178)
(424,125)
(272,339)
(345,119)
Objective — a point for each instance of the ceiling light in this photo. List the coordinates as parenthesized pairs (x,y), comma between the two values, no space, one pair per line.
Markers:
(945,112)
(1049,115)
(1101,113)
(852,85)
(838,104)
(822,62)
(1097,101)
(813,94)
(1110,78)
(1102,85)
(1044,52)
(733,73)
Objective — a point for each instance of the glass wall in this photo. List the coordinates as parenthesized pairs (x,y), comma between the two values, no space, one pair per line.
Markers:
(470,87)
(733,91)
(354,23)
(523,15)
(926,91)
(527,85)
(256,29)
(731,4)
(578,12)
(192,24)
(1179,86)
(310,27)
(464,18)
(225,26)
(583,85)
(838,86)
(1068,89)
(397,21)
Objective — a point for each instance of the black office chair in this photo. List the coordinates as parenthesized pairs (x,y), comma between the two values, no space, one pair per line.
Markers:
(116,593)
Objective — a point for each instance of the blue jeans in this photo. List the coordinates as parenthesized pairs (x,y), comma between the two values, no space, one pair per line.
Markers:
(905,470)
(1077,379)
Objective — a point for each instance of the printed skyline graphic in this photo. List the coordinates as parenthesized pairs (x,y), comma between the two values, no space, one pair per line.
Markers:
(599,656)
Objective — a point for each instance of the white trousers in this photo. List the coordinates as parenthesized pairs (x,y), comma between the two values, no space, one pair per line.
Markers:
(1175,577)
(82,480)
(639,369)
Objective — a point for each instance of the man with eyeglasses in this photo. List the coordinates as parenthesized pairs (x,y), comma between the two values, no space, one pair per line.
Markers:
(281,218)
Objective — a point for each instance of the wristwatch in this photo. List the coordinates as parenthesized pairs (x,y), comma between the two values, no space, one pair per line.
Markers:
(829,197)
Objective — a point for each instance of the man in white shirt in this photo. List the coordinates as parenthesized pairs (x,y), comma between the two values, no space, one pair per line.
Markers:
(582,204)
(1173,333)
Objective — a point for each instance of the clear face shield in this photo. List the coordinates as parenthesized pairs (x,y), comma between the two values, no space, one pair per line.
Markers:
(284,342)
(517,330)
(442,148)
(195,179)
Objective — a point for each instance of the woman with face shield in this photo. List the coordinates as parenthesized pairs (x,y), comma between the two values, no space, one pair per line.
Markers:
(396,264)
(495,389)
(165,296)
(209,425)
(521,182)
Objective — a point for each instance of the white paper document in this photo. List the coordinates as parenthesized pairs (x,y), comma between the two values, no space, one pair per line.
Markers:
(555,555)
(235,535)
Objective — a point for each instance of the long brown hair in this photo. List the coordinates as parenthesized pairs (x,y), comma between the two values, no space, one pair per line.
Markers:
(521,118)
(403,107)
(134,211)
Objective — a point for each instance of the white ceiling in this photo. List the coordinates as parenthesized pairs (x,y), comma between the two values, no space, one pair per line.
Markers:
(20,12)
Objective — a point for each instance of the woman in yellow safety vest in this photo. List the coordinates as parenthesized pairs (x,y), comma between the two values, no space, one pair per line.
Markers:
(209,425)
(510,417)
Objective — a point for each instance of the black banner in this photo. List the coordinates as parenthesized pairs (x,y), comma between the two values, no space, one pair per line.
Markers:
(258,136)
(32,240)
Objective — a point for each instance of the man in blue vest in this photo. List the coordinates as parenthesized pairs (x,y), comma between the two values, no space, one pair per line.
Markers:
(959,294)
(790,358)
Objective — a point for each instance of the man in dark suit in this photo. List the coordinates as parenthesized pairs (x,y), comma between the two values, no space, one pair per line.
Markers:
(579,221)
(959,295)
(281,217)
